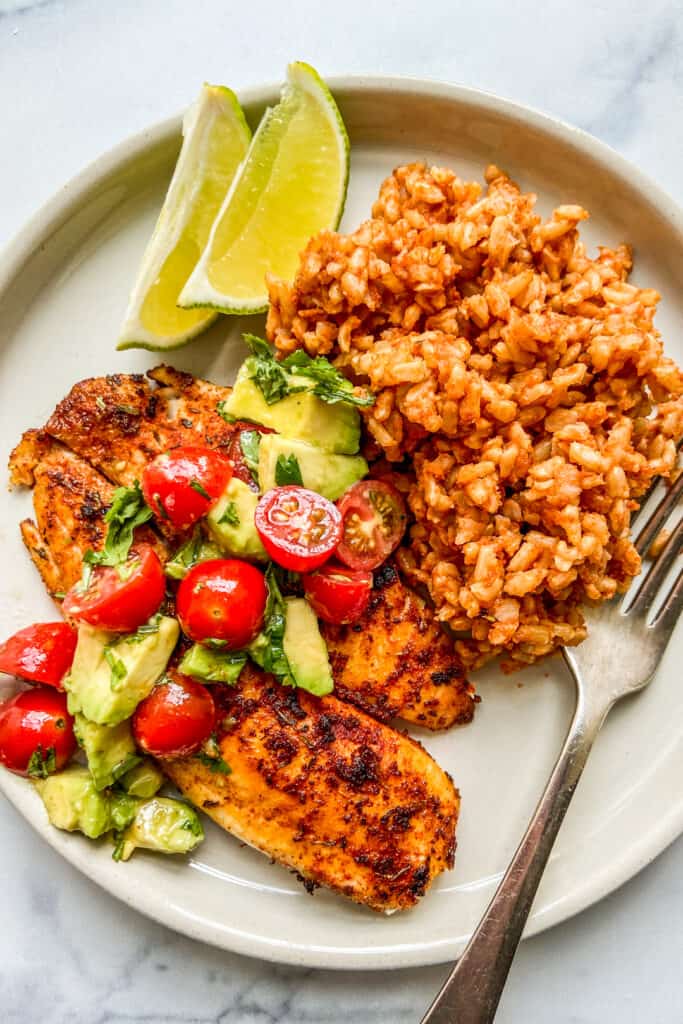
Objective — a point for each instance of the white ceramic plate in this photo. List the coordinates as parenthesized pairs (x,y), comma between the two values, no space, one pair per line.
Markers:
(63,289)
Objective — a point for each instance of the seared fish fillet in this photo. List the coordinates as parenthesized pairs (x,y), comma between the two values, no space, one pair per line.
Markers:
(396,661)
(121,422)
(324,789)
(70,499)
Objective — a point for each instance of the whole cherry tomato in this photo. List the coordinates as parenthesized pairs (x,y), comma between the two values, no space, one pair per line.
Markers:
(338,594)
(120,598)
(181,485)
(222,599)
(41,653)
(36,732)
(175,719)
(374,521)
(298,528)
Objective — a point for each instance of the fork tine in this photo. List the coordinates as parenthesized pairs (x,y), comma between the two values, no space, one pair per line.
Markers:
(658,516)
(657,572)
(670,611)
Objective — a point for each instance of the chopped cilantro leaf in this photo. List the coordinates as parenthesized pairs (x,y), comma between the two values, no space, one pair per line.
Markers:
(264,369)
(249,443)
(288,471)
(118,669)
(146,629)
(42,763)
(267,650)
(330,385)
(127,510)
(210,755)
(230,516)
(223,413)
(196,486)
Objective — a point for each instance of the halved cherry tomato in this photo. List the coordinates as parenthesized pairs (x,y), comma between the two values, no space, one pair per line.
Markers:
(235,452)
(36,732)
(181,485)
(338,594)
(374,520)
(298,528)
(41,653)
(222,599)
(122,597)
(175,719)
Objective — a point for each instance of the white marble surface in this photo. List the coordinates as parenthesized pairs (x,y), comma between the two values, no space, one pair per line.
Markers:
(75,77)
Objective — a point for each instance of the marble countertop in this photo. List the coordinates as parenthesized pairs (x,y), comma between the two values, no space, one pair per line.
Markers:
(76,76)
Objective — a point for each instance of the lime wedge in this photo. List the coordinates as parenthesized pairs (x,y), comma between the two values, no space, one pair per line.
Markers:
(291,185)
(215,141)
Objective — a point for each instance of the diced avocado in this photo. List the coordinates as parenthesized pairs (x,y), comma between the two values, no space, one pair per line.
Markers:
(73,804)
(324,472)
(213,666)
(231,522)
(110,749)
(122,810)
(110,676)
(162,824)
(196,549)
(305,648)
(302,416)
(143,780)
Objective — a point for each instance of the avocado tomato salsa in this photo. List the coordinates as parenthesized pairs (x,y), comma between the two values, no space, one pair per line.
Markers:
(280,529)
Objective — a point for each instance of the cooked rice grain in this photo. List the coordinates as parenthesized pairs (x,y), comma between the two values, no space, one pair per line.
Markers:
(523,380)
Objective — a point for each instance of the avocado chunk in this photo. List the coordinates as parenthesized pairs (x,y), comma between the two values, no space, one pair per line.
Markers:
(110,749)
(213,666)
(324,472)
(144,780)
(161,824)
(305,649)
(197,549)
(73,803)
(301,416)
(110,675)
(231,522)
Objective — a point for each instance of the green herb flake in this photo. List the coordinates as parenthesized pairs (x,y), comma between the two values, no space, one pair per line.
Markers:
(288,471)
(267,373)
(210,755)
(223,413)
(250,441)
(329,384)
(230,516)
(267,650)
(42,763)
(127,511)
(145,630)
(196,486)
(118,669)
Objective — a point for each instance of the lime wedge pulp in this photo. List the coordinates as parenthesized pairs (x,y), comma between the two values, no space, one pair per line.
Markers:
(215,141)
(291,185)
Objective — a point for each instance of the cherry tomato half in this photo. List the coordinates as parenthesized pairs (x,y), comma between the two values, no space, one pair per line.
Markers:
(374,520)
(36,732)
(41,653)
(338,594)
(298,528)
(235,451)
(175,719)
(222,599)
(182,485)
(122,597)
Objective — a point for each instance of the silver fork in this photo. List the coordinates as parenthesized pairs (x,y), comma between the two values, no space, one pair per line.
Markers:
(619,657)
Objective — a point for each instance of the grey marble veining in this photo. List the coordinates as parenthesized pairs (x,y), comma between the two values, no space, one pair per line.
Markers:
(76,76)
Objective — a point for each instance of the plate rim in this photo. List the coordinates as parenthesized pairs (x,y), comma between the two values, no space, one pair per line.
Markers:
(37,230)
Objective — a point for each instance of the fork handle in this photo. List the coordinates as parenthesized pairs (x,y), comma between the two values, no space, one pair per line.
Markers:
(471,993)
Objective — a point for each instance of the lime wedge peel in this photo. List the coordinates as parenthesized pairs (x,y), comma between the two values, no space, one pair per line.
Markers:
(291,185)
(215,141)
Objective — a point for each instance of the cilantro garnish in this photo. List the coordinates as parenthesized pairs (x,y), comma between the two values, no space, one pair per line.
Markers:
(117,667)
(330,385)
(42,762)
(210,755)
(127,510)
(267,649)
(196,486)
(146,629)
(230,516)
(250,441)
(267,373)
(288,471)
